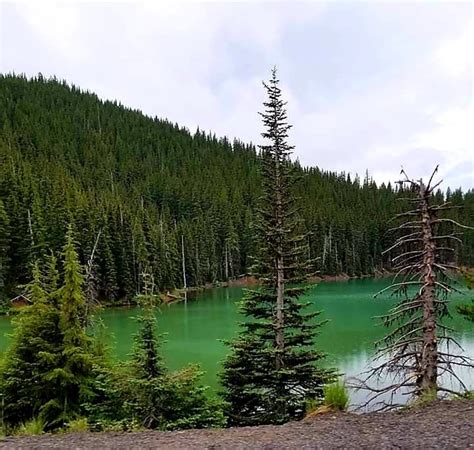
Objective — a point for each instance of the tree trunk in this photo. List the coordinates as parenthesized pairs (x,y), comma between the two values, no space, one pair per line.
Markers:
(184,269)
(30,228)
(427,380)
(280,281)
(226,262)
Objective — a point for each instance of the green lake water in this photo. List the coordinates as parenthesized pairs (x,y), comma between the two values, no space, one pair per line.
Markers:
(194,331)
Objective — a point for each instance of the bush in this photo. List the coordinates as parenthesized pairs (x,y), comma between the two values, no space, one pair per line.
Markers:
(188,403)
(336,396)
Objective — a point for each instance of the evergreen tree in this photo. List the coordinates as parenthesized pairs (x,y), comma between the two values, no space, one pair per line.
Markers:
(272,369)
(4,246)
(147,381)
(28,375)
(52,278)
(158,399)
(74,375)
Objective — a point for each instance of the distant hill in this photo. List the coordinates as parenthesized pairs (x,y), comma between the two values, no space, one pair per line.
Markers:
(148,185)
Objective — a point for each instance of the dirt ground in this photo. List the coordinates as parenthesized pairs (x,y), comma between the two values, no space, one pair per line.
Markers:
(446,425)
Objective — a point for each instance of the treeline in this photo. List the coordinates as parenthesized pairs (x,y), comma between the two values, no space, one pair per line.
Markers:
(148,186)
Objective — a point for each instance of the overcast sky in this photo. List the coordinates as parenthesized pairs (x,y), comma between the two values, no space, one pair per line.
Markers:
(370,85)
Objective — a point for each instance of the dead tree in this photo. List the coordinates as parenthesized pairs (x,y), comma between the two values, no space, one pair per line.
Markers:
(419,350)
(90,289)
(148,298)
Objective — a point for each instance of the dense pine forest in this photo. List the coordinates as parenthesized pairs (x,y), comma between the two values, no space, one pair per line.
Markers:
(147,191)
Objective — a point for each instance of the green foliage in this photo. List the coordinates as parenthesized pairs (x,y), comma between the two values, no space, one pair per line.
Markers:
(266,381)
(74,376)
(33,358)
(336,396)
(147,363)
(47,369)
(104,408)
(255,390)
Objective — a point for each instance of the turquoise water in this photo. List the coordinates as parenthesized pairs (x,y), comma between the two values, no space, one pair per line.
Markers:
(194,331)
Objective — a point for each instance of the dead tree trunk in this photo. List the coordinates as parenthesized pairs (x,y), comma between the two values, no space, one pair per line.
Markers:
(90,279)
(185,286)
(226,261)
(428,378)
(418,349)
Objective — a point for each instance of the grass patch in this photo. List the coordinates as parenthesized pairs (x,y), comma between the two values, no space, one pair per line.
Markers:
(424,399)
(336,396)
(78,426)
(31,428)
(469,395)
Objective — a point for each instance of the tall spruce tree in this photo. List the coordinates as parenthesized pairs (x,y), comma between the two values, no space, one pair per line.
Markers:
(272,371)
(74,376)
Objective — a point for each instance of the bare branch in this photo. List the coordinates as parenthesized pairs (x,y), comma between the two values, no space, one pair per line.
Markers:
(453,222)
(431,178)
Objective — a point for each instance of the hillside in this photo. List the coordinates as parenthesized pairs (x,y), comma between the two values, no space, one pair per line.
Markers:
(147,186)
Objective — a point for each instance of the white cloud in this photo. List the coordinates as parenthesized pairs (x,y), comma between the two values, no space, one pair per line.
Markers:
(55,23)
(455,56)
(370,101)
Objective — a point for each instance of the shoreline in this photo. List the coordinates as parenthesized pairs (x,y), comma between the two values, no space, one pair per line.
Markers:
(245,281)
(178,295)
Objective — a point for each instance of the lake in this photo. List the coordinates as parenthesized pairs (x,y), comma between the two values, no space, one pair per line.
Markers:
(194,331)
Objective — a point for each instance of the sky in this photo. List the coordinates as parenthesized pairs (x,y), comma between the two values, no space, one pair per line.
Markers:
(370,85)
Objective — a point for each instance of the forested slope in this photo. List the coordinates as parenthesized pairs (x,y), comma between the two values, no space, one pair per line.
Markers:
(147,186)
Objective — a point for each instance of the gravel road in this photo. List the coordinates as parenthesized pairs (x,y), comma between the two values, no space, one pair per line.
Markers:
(440,425)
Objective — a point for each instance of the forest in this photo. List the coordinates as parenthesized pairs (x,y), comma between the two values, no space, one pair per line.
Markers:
(148,191)
(99,202)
